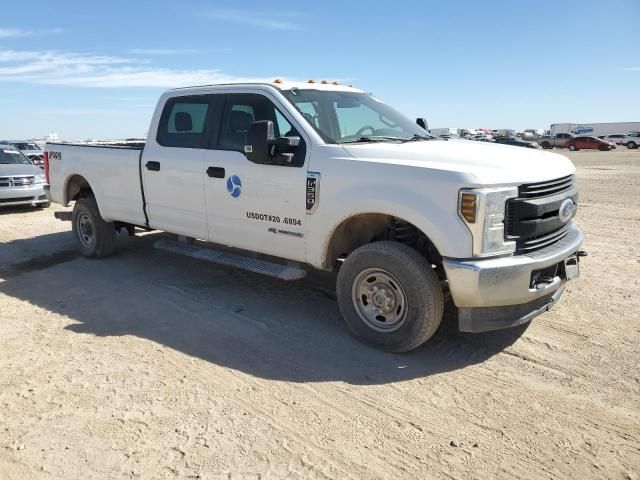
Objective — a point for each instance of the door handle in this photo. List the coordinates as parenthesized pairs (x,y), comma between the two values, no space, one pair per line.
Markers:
(216,172)
(153,166)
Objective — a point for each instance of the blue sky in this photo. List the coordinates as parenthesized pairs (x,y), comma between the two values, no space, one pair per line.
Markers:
(95,69)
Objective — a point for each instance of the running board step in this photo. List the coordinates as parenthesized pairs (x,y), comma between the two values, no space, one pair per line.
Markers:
(283,272)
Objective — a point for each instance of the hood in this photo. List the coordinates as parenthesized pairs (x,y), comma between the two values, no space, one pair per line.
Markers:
(12,169)
(483,163)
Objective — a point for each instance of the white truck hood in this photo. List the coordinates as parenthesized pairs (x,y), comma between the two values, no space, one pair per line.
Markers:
(16,169)
(485,163)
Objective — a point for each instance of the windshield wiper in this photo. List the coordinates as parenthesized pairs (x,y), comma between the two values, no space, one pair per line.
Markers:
(417,137)
(364,140)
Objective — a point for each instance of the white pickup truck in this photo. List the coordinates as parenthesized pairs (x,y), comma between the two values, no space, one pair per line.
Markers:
(328,176)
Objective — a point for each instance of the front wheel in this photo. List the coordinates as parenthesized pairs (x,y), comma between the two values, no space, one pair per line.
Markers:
(631,145)
(573,148)
(546,145)
(389,296)
(96,237)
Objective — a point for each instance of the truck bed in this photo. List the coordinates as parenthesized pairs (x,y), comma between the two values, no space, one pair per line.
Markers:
(112,170)
(132,145)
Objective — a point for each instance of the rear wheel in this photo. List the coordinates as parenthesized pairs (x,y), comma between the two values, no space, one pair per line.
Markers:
(96,237)
(631,145)
(389,296)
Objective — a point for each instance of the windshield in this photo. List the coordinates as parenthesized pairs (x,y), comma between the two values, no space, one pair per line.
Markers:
(26,146)
(348,117)
(10,156)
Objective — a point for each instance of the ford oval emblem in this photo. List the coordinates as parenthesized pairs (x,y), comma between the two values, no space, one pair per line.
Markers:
(566,210)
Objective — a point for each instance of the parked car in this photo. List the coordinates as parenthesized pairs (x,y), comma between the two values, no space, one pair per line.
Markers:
(631,140)
(588,142)
(31,151)
(398,214)
(558,140)
(614,138)
(21,181)
(515,142)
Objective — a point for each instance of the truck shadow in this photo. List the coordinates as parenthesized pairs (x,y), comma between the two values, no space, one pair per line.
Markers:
(19,209)
(244,321)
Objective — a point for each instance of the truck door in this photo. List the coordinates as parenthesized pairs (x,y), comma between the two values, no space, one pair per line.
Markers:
(255,207)
(172,166)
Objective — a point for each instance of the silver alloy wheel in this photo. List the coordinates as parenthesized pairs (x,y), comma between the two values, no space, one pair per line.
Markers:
(380,300)
(85,230)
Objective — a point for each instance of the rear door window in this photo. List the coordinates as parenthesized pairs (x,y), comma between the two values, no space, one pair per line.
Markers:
(184,123)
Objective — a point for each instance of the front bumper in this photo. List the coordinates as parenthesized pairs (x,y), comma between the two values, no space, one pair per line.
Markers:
(506,289)
(23,196)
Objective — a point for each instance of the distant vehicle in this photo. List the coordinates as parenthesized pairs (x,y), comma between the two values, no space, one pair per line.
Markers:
(558,140)
(595,129)
(442,132)
(515,142)
(468,132)
(482,138)
(588,142)
(32,151)
(21,182)
(631,140)
(615,138)
(535,132)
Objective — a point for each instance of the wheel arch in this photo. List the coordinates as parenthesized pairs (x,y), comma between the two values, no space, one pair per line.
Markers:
(363,228)
(76,186)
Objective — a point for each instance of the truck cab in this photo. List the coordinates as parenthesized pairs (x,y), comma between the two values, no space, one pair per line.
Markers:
(557,140)
(325,176)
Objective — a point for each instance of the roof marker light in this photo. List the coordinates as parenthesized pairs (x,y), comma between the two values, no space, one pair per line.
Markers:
(334,83)
(311,81)
(324,82)
(277,80)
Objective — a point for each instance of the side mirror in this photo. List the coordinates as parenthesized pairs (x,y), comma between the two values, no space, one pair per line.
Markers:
(259,136)
(422,122)
(263,147)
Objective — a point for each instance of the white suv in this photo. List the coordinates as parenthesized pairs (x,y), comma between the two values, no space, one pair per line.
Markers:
(631,140)
(616,138)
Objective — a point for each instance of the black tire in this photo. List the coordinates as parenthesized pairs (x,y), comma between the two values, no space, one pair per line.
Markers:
(546,145)
(417,281)
(44,205)
(96,238)
(573,148)
(631,145)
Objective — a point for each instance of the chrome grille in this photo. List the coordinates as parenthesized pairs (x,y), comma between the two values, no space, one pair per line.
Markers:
(23,181)
(544,189)
(541,241)
(532,218)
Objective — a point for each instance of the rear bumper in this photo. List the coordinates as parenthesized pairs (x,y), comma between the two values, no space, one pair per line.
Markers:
(23,196)
(495,293)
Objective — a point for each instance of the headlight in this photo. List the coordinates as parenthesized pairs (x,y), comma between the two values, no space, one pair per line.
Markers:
(39,179)
(482,210)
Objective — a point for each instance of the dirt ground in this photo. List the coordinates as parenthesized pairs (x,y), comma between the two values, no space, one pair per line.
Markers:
(151,365)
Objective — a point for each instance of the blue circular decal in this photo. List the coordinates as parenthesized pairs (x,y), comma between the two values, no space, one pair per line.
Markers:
(234,186)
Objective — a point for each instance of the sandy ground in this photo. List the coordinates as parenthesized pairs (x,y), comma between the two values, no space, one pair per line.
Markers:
(150,365)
